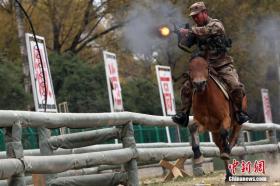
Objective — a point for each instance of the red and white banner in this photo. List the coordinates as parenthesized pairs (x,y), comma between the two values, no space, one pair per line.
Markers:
(37,74)
(166,89)
(113,82)
(266,106)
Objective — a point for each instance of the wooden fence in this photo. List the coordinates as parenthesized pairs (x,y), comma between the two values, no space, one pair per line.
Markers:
(80,150)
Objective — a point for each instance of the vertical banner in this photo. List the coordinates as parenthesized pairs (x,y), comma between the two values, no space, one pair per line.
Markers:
(266,106)
(113,82)
(36,74)
(166,90)
(166,93)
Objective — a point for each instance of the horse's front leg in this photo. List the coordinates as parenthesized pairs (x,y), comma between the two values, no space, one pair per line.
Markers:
(197,157)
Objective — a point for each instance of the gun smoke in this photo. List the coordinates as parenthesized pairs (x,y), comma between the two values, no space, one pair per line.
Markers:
(267,42)
(146,17)
(265,51)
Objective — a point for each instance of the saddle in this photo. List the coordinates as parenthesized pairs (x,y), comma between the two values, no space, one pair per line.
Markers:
(220,84)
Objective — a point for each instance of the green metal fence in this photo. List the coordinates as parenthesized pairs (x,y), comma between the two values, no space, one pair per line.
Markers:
(29,138)
(143,134)
(2,142)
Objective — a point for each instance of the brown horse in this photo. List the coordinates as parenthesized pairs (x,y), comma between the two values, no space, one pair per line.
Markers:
(212,111)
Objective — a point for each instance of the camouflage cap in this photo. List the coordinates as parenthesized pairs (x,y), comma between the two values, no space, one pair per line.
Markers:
(197,7)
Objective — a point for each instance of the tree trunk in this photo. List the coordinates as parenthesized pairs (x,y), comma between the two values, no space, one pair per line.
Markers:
(23,51)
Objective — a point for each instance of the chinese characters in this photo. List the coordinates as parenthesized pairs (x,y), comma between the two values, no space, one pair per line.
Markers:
(257,167)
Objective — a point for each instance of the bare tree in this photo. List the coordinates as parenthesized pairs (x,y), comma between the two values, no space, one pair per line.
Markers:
(75,24)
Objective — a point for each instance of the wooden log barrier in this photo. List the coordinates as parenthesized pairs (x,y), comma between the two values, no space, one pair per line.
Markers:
(175,170)
(15,150)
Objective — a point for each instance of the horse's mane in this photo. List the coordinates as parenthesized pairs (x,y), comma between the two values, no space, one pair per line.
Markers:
(197,54)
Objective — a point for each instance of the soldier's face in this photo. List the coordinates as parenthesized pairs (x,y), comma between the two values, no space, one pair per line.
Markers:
(201,18)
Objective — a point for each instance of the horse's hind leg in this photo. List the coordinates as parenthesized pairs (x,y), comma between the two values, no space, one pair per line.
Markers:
(218,141)
(234,135)
(224,134)
(198,158)
(225,150)
(228,173)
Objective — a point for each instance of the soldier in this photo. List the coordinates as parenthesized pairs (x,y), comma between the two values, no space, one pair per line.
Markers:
(209,36)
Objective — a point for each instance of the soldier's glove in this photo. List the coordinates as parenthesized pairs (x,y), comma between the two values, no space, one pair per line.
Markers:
(183,32)
(181,118)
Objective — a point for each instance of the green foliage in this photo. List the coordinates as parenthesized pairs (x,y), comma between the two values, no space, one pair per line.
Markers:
(9,42)
(142,96)
(83,86)
(12,95)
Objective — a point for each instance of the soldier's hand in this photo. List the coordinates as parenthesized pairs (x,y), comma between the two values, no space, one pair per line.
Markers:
(183,32)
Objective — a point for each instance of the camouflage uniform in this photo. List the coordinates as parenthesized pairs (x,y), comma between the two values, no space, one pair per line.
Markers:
(219,61)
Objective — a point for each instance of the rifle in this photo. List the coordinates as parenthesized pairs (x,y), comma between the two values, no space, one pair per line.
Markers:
(189,41)
(165,31)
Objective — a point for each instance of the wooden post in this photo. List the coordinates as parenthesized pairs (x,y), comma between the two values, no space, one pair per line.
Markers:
(273,140)
(272,136)
(15,150)
(38,180)
(128,140)
(44,134)
(241,142)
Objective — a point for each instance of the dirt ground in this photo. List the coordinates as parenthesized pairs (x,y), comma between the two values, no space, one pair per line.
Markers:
(214,179)
(153,177)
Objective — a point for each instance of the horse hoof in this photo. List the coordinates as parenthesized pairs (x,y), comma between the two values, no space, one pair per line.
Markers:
(198,160)
(224,156)
(198,171)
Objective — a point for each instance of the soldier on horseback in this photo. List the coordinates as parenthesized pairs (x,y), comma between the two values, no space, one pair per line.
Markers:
(212,44)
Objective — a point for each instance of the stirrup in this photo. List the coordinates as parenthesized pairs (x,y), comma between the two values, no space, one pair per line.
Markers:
(181,118)
(241,117)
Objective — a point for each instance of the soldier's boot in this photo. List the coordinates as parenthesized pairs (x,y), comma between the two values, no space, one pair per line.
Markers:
(240,115)
(182,117)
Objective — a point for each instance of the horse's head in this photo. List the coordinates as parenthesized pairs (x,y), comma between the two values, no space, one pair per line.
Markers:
(198,68)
